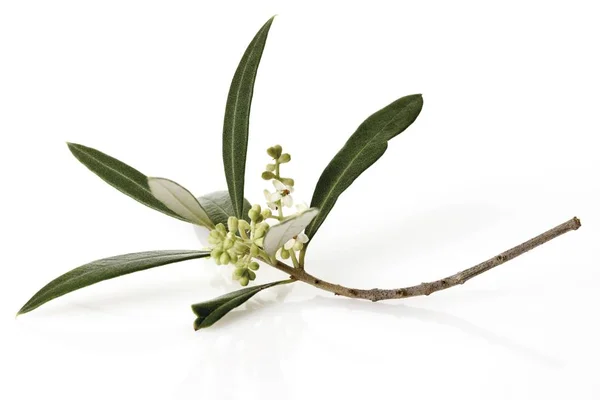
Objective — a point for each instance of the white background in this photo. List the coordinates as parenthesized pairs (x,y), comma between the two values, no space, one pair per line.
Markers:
(505,148)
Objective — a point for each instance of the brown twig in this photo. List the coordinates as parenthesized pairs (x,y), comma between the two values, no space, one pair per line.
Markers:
(428,288)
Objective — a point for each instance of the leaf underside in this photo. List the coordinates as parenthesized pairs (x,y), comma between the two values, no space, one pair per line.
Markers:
(362,149)
(278,234)
(209,312)
(219,208)
(237,118)
(107,268)
(179,200)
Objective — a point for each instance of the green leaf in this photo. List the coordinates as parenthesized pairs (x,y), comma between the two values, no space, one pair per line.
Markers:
(219,208)
(120,176)
(107,268)
(179,200)
(364,147)
(237,118)
(209,312)
(278,234)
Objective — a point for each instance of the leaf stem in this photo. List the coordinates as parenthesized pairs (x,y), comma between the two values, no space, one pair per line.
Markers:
(427,288)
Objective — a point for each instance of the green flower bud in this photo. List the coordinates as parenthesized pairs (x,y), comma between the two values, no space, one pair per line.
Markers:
(253,250)
(244,280)
(224,259)
(270,167)
(253,215)
(256,207)
(240,247)
(238,273)
(232,255)
(221,229)
(266,213)
(259,241)
(274,151)
(267,175)
(251,275)
(287,181)
(232,224)
(285,158)
(227,244)
(216,253)
(285,254)
(254,266)
(298,246)
(243,225)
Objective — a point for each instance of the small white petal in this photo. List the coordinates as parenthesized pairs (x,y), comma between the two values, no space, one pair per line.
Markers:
(302,238)
(289,244)
(272,206)
(278,185)
(275,197)
(267,194)
(287,201)
(290,189)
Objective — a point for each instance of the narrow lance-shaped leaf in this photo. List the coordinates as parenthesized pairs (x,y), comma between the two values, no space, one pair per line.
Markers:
(278,234)
(119,175)
(219,208)
(237,118)
(107,268)
(209,312)
(179,200)
(364,147)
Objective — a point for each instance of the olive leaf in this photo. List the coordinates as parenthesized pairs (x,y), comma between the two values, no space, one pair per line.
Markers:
(362,149)
(278,234)
(209,312)
(121,176)
(179,200)
(237,118)
(107,268)
(219,208)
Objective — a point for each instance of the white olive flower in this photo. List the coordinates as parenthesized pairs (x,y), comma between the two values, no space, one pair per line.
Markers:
(297,242)
(282,193)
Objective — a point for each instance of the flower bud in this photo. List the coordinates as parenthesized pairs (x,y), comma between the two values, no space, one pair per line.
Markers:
(253,215)
(266,213)
(244,280)
(232,224)
(298,246)
(253,250)
(274,151)
(267,175)
(254,266)
(270,167)
(239,272)
(251,275)
(216,254)
(239,247)
(243,225)
(221,229)
(227,244)
(256,207)
(259,233)
(224,259)
(232,256)
(285,254)
(287,181)
(285,158)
